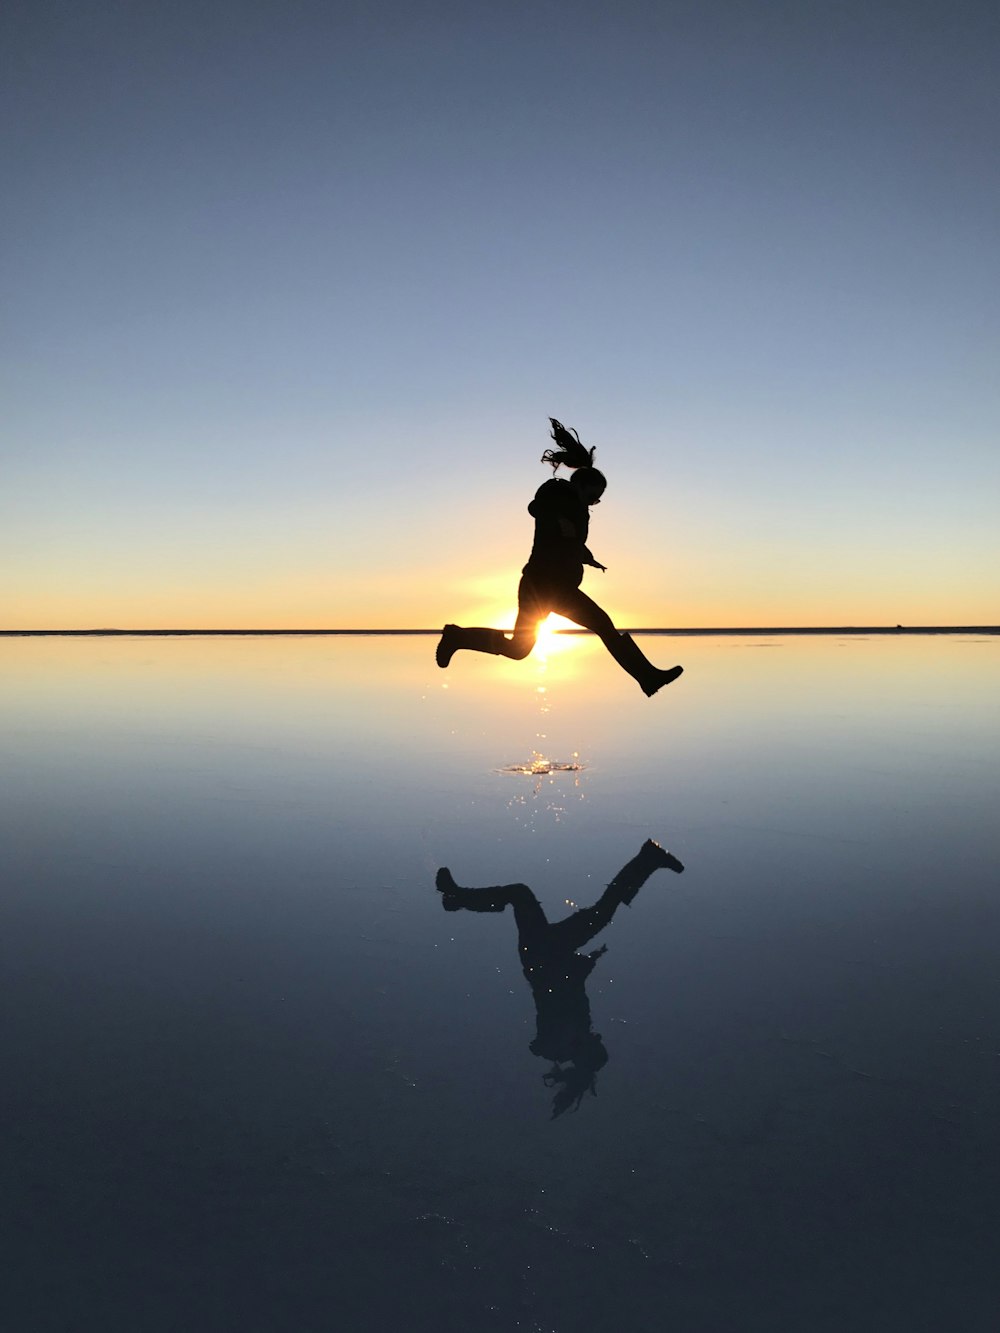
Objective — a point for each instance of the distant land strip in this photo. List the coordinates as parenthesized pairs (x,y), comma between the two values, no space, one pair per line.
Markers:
(333,633)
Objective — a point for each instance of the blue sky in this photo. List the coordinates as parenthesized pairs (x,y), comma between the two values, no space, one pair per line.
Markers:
(290,291)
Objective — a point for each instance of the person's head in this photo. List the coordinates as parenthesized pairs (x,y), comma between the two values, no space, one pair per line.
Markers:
(589,483)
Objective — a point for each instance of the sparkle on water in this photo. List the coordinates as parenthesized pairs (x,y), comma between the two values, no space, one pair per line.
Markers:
(539,766)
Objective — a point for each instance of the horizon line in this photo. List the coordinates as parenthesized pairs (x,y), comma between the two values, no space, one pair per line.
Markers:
(662,630)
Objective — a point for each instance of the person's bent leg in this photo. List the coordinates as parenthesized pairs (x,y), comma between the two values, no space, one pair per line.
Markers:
(524,637)
(494,641)
(532,608)
(531,611)
(454,897)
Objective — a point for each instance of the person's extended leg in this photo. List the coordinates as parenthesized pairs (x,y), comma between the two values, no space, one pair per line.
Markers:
(575,931)
(574,604)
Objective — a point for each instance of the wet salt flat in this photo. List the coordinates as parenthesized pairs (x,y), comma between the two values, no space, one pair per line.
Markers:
(256,1077)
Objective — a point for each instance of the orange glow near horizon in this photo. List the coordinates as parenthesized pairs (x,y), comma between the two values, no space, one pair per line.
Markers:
(245,586)
(415,601)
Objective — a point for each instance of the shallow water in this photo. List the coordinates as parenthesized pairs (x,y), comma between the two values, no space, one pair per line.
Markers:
(255,1077)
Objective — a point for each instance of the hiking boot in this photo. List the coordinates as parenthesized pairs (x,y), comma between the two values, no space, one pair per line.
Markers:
(655,682)
(632,659)
(448,645)
(660,857)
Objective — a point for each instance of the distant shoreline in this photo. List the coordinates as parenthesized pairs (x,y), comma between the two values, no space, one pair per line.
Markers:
(334,633)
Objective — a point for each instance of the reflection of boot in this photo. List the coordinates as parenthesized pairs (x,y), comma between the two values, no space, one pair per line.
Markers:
(454,898)
(629,655)
(454,637)
(660,857)
(633,876)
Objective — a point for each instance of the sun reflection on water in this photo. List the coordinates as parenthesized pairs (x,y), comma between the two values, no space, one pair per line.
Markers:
(545,771)
(538,766)
(549,791)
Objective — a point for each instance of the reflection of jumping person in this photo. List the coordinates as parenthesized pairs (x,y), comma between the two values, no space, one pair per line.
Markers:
(550,581)
(555,972)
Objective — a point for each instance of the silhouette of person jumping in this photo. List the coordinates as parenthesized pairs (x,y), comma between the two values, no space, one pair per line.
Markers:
(551,579)
(554,970)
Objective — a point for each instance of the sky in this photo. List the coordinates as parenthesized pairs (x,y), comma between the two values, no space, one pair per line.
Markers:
(289,291)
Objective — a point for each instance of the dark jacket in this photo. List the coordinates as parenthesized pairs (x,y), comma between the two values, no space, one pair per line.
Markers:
(562,521)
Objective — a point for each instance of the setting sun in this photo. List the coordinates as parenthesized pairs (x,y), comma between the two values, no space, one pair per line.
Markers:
(550,641)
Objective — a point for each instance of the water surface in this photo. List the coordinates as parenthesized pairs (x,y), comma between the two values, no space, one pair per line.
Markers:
(257,1077)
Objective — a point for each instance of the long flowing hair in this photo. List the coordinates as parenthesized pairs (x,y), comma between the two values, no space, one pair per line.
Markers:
(570,452)
(577,1078)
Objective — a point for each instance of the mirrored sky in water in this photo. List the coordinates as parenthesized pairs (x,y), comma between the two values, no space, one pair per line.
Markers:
(242,1030)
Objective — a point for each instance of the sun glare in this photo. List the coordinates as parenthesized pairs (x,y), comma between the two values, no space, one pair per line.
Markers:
(550,641)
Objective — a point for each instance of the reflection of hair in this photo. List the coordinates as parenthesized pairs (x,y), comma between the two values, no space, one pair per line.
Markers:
(570,452)
(578,1077)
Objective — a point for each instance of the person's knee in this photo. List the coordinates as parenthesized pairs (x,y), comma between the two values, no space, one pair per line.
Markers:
(591,616)
(520,646)
(602,625)
(606,632)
